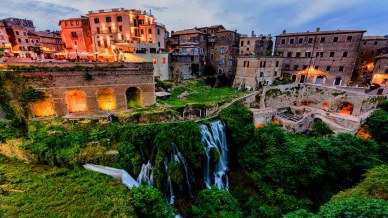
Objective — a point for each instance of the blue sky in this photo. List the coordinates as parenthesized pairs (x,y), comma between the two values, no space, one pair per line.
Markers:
(262,16)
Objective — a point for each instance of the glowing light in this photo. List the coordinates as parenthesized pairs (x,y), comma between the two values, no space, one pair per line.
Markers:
(44,108)
(76,101)
(259,125)
(106,99)
(346,108)
(325,105)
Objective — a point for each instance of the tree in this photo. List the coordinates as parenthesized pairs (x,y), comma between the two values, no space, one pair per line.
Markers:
(149,202)
(384,106)
(214,203)
(321,129)
(377,125)
(1,52)
(355,207)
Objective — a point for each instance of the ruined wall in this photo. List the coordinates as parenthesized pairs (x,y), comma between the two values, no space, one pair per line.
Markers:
(320,97)
(181,71)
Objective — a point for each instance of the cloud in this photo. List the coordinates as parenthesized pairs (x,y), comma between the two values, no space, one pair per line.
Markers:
(156,8)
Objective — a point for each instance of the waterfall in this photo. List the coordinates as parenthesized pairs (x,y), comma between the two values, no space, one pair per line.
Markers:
(146,175)
(178,157)
(168,190)
(216,139)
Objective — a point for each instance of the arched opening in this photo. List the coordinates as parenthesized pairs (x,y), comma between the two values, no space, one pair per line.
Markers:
(337,81)
(302,78)
(44,108)
(220,71)
(325,106)
(106,99)
(133,97)
(293,78)
(319,80)
(76,101)
(346,108)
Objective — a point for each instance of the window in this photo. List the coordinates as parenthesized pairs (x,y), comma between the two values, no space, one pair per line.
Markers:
(76,23)
(201,50)
(119,19)
(1,37)
(262,63)
(289,54)
(282,42)
(109,29)
(74,34)
(376,42)
(308,54)
(372,53)
(222,50)
(310,40)
(277,64)
(154,60)
(212,56)
(96,20)
(341,69)
(230,63)
(332,54)
(328,68)
(98,30)
(99,43)
(17,32)
(242,43)
(345,54)
(108,19)
(261,74)
(158,31)
(301,41)
(71,23)
(26,40)
(323,39)
(247,49)
(120,28)
(296,67)
(66,23)
(316,67)
(134,22)
(246,63)
(305,67)
(292,41)
(319,54)
(287,67)
(335,39)
(364,43)
(158,44)
(222,61)
(75,42)
(298,54)
(349,38)
(337,81)
(163,60)
(275,73)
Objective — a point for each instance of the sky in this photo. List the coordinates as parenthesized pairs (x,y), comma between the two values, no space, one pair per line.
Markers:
(261,16)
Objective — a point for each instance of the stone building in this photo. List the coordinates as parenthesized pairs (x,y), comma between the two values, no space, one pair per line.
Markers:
(120,86)
(76,34)
(320,57)
(254,72)
(49,42)
(4,41)
(260,45)
(120,25)
(370,48)
(223,52)
(380,74)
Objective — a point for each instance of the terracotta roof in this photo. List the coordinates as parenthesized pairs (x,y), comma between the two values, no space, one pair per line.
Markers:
(374,38)
(322,32)
(224,30)
(45,34)
(188,31)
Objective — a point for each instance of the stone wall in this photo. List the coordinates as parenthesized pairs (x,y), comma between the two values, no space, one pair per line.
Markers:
(181,71)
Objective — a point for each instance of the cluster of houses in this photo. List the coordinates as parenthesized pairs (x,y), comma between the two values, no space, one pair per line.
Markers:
(332,58)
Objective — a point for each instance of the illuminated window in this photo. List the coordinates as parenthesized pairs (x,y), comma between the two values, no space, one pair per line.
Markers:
(222,50)
(106,99)
(246,63)
(76,101)
(155,60)
(163,60)
(96,20)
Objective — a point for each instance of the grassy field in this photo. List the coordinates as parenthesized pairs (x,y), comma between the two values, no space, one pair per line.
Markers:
(197,92)
(28,190)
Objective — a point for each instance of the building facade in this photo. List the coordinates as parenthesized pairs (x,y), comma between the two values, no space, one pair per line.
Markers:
(380,74)
(49,42)
(320,57)
(120,25)
(4,41)
(255,72)
(76,35)
(260,45)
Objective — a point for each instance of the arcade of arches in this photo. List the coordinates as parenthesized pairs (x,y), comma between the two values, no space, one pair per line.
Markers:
(346,108)
(76,101)
(133,97)
(44,108)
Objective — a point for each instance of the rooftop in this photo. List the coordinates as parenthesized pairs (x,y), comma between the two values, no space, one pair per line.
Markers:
(374,38)
(188,31)
(329,32)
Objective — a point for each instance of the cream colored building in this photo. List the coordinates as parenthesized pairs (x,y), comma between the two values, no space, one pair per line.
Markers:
(119,25)
(253,72)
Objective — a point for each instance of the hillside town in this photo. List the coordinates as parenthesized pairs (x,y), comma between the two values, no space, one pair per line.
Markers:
(203,121)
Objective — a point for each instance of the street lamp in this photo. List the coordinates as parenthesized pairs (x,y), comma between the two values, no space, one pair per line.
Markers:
(76,52)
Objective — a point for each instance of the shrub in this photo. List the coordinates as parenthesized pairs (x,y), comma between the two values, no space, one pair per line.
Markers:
(31,95)
(321,129)
(355,207)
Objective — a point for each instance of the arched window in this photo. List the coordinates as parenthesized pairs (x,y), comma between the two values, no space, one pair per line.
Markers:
(44,108)
(133,97)
(337,81)
(76,101)
(106,99)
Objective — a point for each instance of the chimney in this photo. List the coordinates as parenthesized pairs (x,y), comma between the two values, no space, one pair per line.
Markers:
(253,33)
(318,29)
(284,31)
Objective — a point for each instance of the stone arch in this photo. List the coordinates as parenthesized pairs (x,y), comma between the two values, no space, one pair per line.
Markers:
(133,95)
(320,80)
(106,99)
(76,101)
(325,106)
(44,107)
(346,108)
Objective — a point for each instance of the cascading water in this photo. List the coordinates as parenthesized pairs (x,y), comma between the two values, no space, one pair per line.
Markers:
(178,157)
(216,139)
(146,175)
(168,190)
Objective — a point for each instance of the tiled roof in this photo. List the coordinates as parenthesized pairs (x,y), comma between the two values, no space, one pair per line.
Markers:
(322,32)
(45,34)
(188,31)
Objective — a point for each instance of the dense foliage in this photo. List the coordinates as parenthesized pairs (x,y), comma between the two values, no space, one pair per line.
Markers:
(215,203)
(321,129)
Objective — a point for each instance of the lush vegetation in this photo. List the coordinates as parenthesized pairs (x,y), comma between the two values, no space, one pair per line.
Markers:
(196,92)
(377,125)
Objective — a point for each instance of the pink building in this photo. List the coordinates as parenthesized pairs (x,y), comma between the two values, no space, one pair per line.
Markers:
(76,35)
